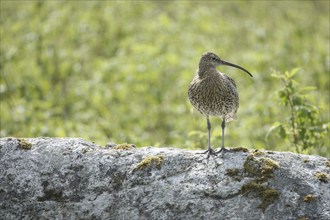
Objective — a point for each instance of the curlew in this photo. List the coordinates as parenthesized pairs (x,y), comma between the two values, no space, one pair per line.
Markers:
(213,93)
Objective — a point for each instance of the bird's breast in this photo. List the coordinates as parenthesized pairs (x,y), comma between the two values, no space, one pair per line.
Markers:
(213,96)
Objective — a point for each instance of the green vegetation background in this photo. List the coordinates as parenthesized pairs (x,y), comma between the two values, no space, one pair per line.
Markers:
(119,71)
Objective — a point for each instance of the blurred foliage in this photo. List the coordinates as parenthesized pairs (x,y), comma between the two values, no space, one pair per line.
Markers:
(302,127)
(119,70)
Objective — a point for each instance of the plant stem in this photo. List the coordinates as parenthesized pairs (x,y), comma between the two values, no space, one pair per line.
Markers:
(293,118)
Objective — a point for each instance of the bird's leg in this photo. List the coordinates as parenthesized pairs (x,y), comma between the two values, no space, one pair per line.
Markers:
(209,150)
(223,149)
(208,134)
(223,125)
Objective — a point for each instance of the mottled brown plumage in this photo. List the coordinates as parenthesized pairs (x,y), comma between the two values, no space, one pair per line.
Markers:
(213,93)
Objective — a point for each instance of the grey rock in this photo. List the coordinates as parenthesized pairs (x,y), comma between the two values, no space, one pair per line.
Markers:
(70,178)
(110,145)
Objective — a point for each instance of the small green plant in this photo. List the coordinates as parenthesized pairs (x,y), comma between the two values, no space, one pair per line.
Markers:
(303,127)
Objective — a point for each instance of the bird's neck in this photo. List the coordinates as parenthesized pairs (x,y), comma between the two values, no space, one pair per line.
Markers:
(205,70)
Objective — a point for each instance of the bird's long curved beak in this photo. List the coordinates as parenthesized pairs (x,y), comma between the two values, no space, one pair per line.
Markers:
(234,65)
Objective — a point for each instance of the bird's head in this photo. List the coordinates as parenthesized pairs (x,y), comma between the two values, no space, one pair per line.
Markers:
(212,59)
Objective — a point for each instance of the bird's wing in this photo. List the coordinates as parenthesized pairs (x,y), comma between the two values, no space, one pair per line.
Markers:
(230,79)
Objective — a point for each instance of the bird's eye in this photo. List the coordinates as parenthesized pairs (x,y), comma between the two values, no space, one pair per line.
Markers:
(214,58)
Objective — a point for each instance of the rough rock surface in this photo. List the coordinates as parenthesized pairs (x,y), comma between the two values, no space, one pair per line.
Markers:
(70,178)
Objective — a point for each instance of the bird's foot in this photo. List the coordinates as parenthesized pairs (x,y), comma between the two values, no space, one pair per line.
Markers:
(209,152)
(222,151)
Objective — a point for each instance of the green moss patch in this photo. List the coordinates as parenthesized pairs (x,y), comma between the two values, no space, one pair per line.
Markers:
(323,177)
(118,180)
(309,198)
(234,173)
(24,144)
(257,153)
(149,162)
(306,160)
(262,168)
(302,218)
(327,163)
(266,194)
(239,149)
(124,146)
